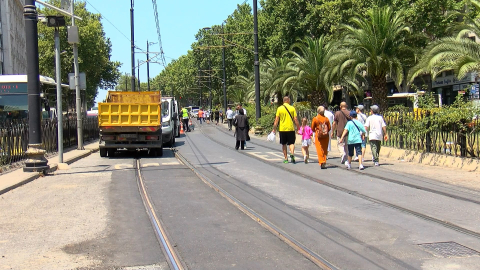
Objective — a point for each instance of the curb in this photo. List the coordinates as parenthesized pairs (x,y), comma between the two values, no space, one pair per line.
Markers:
(53,168)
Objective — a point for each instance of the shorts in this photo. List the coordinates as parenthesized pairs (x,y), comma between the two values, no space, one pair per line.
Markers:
(357,147)
(364,142)
(306,142)
(287,137)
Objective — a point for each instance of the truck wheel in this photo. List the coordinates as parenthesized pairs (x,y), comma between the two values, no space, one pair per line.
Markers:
(103,152)
(177,132)
(111,152)
(159,152)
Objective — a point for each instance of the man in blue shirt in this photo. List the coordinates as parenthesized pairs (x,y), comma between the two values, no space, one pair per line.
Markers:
(356,132)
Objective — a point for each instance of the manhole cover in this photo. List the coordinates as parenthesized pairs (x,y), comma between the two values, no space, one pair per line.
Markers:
(449,249)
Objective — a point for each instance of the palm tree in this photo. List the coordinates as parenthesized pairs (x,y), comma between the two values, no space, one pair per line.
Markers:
(458,53)
(374,46)
(309,58)
(274,72)
(243,90)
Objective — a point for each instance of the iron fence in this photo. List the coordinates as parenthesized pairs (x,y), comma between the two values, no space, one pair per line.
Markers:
(14,137)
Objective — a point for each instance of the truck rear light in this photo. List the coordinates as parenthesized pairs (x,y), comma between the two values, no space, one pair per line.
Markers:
(108,138)
(148,129)
(152,138)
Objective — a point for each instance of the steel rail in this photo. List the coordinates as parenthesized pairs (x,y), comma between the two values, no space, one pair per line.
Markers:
(167,247)
(289,240)
(443,223)
(364,173)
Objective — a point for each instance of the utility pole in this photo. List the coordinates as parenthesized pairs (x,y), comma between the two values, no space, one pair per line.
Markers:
(138,74)
(59,96)
(132,37)
(36,161)
(257,62)
(148,70)
(224,73)
(78,103)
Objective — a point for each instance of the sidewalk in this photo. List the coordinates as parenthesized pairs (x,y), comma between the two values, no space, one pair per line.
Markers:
(18,177)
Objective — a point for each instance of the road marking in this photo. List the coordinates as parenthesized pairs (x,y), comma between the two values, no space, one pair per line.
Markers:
(150,165)
(260,155)
(123,166)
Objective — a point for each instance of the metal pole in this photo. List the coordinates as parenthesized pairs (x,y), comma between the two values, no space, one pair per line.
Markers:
(138,74)
(224,74)
(209,76)
(132,37)
(256,63)
(59,96)
(36,161)
(78,98)
(148,70)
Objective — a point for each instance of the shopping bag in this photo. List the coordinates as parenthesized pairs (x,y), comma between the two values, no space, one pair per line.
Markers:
(271,137)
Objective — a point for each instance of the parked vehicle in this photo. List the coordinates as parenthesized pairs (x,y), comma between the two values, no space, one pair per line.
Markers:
(130,120)
(170,121)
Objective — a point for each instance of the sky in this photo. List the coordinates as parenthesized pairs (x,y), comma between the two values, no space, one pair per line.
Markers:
(179,21)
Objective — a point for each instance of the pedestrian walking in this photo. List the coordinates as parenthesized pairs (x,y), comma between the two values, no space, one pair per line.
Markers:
(355,132)
(207,116)
(306,133)
(321,126)
(377,130)
(185,120)
(240,108)
(339,122)
(241,129)
(216,116)
(200,115)
(361,118)
(330,117)
(230,114)
(286,117)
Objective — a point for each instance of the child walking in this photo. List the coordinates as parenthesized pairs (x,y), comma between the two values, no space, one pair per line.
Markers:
(306,133)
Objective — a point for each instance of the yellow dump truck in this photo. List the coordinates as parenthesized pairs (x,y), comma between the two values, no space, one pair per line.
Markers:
(130,120)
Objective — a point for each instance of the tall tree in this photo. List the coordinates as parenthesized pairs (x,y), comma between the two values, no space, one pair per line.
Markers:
(309,59)
(375,45)
(94,51)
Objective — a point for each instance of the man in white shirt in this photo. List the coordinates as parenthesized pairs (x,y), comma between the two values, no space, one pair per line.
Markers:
(361,118)
(376,128)
(230,115)
(330,117)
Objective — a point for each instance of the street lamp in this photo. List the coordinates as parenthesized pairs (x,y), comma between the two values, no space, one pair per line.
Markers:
(257,62)
(36,161)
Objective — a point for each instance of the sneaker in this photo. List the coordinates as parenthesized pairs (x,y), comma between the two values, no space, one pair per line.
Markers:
(323,166)
(343,159)
(305,159)
(363,160)
(373,159)
(377,164)
(348,165)
(361,167)
(356,158)
(292,157)
(285,161)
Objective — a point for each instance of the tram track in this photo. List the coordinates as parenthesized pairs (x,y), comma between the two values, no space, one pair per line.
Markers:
(172,256)
(386,179)
(443,223)
(305,218)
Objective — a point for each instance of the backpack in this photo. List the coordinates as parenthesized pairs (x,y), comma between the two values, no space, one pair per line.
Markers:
(322,130)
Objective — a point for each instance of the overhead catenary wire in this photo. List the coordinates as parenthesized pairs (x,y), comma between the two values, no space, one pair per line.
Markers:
(162,55)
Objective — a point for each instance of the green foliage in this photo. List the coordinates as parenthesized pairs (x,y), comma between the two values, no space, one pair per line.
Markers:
(267,119)
(94,51)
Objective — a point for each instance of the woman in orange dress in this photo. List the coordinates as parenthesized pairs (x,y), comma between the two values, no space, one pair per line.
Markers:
(321,126)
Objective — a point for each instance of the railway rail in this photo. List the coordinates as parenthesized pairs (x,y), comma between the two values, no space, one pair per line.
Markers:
(423,216)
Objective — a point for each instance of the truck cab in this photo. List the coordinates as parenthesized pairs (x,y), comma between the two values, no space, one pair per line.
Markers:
(170,121)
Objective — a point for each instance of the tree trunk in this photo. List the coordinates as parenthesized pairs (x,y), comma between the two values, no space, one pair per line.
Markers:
(379,92)
(317,98)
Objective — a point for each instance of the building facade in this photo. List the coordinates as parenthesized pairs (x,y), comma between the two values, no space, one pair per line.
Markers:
(13,54)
